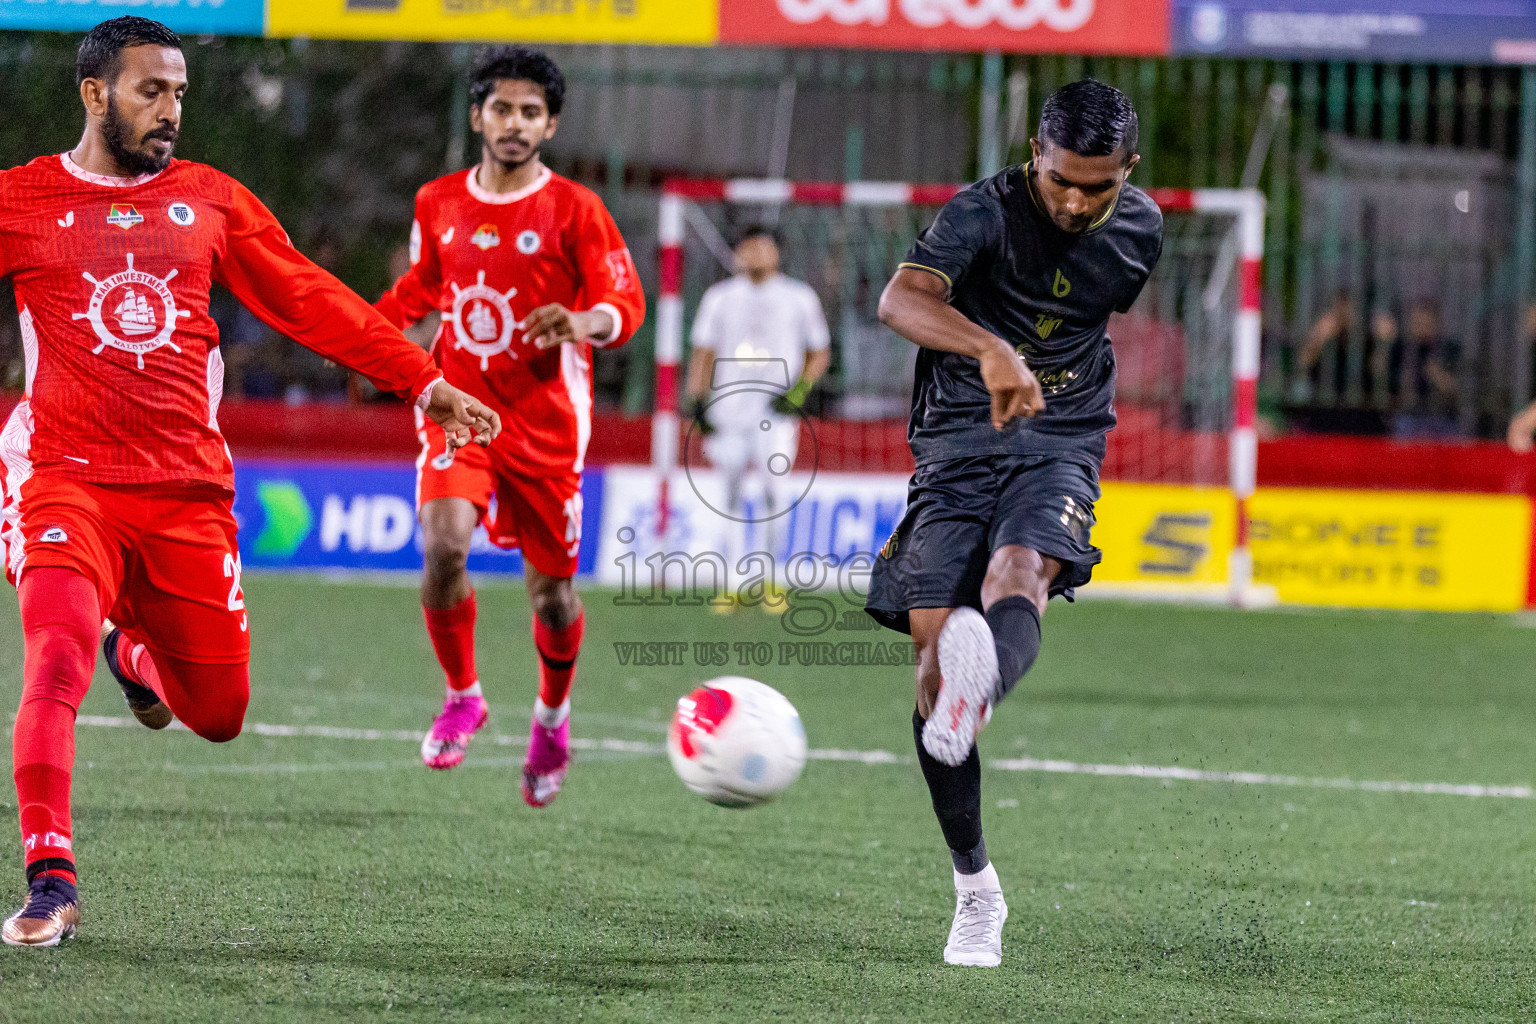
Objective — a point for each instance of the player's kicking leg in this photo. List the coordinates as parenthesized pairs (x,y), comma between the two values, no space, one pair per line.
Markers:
(963,658)
(559,621)
(982,656)
(448,602)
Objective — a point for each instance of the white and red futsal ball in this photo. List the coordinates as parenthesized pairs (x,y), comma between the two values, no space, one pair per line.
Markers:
(736,742)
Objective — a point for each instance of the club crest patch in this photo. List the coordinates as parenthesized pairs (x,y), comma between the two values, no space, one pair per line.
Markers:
(528,243)
(181,214)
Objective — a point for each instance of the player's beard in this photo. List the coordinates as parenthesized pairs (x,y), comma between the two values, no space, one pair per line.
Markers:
(515,165)
(118,134)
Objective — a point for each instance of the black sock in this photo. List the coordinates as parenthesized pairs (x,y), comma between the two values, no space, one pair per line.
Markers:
(1015,623)
(956,793)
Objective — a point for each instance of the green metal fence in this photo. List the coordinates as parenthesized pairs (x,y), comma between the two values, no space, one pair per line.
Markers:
(337,136)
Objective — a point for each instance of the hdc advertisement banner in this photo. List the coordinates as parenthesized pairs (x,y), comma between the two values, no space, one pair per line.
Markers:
(1131,27)
(358,516)
(1474,31)
(1368,549)
(683,22)
(199,17)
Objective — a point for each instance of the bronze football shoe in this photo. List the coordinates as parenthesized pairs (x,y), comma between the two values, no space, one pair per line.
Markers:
(50,915)
(145,703)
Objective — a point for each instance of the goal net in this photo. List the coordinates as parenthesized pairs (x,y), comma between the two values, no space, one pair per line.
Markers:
(1181,463)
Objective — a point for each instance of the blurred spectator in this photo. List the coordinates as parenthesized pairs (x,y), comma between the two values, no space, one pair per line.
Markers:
(359,390)
(1523,426)
(1423,374)
(312,377)
(1339,370)
(253,353)
(1332,328)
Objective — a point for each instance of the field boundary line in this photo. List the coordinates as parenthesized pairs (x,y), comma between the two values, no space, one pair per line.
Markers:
(1168,773)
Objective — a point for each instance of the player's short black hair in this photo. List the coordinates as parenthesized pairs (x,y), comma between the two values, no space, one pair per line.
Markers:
(752,231)
(518,63)
(100,53)
(1090,119)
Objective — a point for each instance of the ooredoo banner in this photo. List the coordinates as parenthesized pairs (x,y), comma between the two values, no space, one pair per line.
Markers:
(1137,27)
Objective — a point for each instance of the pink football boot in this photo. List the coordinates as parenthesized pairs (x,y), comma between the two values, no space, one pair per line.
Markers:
(461,718)
(549,758)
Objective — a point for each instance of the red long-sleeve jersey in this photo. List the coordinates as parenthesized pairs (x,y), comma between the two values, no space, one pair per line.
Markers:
(123,373)
(485,260)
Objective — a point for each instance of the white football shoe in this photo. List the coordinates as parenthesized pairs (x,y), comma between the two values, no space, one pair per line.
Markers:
(968,668)
(976,936)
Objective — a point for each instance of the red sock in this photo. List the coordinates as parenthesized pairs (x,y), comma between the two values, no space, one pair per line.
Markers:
(453,638)
(61,622)
(557,658)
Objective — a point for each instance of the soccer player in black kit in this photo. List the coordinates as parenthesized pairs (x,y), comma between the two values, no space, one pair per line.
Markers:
(1008,294)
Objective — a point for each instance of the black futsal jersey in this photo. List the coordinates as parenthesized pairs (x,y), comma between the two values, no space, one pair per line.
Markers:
(1046,292)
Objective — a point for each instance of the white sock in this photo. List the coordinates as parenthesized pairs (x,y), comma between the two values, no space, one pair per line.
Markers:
(468,691)
(548,717)
(986,878)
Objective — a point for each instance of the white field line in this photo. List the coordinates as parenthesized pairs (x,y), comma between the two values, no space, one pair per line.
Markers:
(1014,764)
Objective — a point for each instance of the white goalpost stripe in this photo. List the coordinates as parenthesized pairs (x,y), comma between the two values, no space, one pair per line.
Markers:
(872,757)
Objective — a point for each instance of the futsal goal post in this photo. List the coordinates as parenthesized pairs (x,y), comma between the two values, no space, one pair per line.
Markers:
(1187,355)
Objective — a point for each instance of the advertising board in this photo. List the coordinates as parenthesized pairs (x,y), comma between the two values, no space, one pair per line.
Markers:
(1036,26)
(199,17)
(356,516)
(546,21)
(1474,31)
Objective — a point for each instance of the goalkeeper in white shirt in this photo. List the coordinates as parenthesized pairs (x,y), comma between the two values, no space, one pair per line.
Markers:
(760,343)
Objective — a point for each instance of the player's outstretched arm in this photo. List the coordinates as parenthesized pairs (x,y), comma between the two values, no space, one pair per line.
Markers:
(915,304)
(289,293)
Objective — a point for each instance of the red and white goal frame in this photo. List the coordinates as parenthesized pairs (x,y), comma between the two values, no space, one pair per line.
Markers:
(1245,206)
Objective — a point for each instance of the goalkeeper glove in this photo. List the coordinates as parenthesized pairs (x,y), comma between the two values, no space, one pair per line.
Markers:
(792,400)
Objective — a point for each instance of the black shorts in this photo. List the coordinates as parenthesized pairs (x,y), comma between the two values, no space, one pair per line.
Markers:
(959,511)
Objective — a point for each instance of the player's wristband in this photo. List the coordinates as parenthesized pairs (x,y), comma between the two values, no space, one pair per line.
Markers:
(424,399)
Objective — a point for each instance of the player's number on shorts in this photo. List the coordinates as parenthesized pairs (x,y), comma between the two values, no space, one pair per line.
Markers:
(232,573)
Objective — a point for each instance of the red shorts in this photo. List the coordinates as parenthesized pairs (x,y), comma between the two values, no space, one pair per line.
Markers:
(540,514)
(163,559)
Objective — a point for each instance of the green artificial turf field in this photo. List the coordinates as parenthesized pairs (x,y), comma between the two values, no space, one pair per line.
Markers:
(315,878)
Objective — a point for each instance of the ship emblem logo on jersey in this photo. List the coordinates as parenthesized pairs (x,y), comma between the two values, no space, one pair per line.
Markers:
(482,319)
(528,243)
(181,214)
(141,309)
(124,216)
(1046,324)
(486,237)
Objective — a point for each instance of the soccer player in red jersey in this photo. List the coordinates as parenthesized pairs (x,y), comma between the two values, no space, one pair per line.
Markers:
(529,272)
(117,485)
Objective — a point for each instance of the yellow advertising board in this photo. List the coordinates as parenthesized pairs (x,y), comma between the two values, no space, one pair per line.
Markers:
(1392,549)
(546,21)
(1367,549)
(1155,536)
